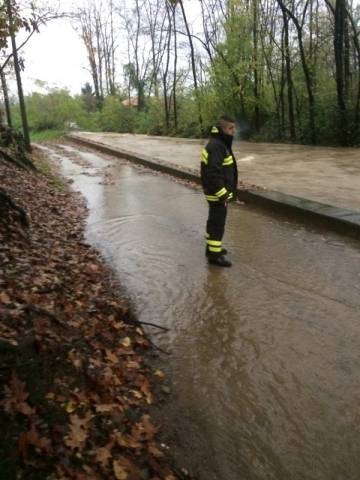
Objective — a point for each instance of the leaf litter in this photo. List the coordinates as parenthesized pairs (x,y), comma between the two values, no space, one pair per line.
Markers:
(76,379)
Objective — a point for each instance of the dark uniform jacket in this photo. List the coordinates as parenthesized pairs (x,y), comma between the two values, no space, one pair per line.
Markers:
(219,173)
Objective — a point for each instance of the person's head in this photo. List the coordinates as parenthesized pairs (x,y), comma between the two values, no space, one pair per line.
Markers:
(227,125)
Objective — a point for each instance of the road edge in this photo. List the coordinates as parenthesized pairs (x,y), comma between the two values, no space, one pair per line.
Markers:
(343,220)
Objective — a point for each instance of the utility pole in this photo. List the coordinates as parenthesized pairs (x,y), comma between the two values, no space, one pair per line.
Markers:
(18,79)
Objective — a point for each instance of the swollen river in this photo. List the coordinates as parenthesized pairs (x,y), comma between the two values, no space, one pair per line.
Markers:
(264,356)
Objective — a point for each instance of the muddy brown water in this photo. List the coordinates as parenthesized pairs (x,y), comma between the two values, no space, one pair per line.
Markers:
(264,361)
(323,174)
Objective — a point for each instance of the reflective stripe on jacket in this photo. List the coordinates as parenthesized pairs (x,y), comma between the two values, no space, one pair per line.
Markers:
(218,170)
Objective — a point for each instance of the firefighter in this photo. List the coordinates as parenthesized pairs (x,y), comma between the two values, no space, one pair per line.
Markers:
(219,181)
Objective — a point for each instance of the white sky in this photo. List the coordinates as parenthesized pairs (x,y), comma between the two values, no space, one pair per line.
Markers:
(57,55)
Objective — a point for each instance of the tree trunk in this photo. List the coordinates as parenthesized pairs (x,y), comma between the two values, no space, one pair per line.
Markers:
(307,73)
(6,98)
(269,69)
(165,75)
(175,72)
(355,37)
(112,51)
(289,77)
(282,87)
(193,66)
(99,52)
(18,80)
(339,39)
(255,66)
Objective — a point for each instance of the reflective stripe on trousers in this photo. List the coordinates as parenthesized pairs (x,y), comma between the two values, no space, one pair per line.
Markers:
(215,226)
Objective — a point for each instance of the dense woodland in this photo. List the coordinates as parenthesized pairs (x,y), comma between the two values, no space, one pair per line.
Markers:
(287,70)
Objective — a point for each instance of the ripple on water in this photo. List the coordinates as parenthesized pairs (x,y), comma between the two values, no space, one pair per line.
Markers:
(263,355)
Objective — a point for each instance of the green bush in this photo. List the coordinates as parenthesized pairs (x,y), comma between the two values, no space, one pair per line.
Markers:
(46,135)
(152,121)
(52,110)
(115,117)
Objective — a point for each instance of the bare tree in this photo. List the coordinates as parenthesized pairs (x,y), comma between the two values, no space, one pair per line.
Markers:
(6,98)
(308,74)
(13,21)
(174,86)
(18,75)
(193,63)
(96,25)
(289,81)
(342,66)
(156,18)
(139,57)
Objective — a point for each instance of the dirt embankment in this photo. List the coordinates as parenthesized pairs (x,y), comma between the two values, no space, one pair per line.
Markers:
(76,376)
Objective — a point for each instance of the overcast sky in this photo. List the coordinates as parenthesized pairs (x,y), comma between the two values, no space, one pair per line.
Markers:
(57,55)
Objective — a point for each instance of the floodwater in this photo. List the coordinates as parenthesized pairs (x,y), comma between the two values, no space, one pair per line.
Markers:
(323,174)
(264,356)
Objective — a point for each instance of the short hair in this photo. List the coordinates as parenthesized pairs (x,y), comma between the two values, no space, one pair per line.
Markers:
(225,119)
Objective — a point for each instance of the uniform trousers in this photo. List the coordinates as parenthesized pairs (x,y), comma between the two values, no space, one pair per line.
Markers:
(215,227)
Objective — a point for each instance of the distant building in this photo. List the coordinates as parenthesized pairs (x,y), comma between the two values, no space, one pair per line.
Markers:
(71,126)
(130,102)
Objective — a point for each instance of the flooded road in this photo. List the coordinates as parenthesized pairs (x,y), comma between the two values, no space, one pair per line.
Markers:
(264,362)
(323,174)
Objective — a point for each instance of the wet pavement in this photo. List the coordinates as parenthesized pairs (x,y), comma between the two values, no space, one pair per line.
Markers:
(264,356)
(322,174)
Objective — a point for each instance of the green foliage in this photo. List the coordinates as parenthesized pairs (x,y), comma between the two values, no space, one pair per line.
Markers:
(88,98)
(246,78)
(12,140)
(51,111)
(46,135)
(55,111)
(115,117)
(152,121)
(188,116)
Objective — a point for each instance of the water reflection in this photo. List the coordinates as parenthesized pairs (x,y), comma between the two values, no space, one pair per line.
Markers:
(264,362)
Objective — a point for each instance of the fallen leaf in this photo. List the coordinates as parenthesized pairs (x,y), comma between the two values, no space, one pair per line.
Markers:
(127,441)
(144,385)
(93,267)
(105,408)
(4,298)
(111,356)
(103,454)
(75,360)
(126,342)
(16,396)
(144,430)
(155,451)
(78,433)
(119,471)
(133,365)
(71,407)
(33,438)
(149,427)
(136,394)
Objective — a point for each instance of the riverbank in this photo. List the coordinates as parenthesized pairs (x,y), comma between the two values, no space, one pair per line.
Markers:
(77,373)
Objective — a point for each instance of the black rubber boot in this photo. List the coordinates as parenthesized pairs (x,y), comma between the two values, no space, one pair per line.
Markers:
(219,260)
(223,251)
